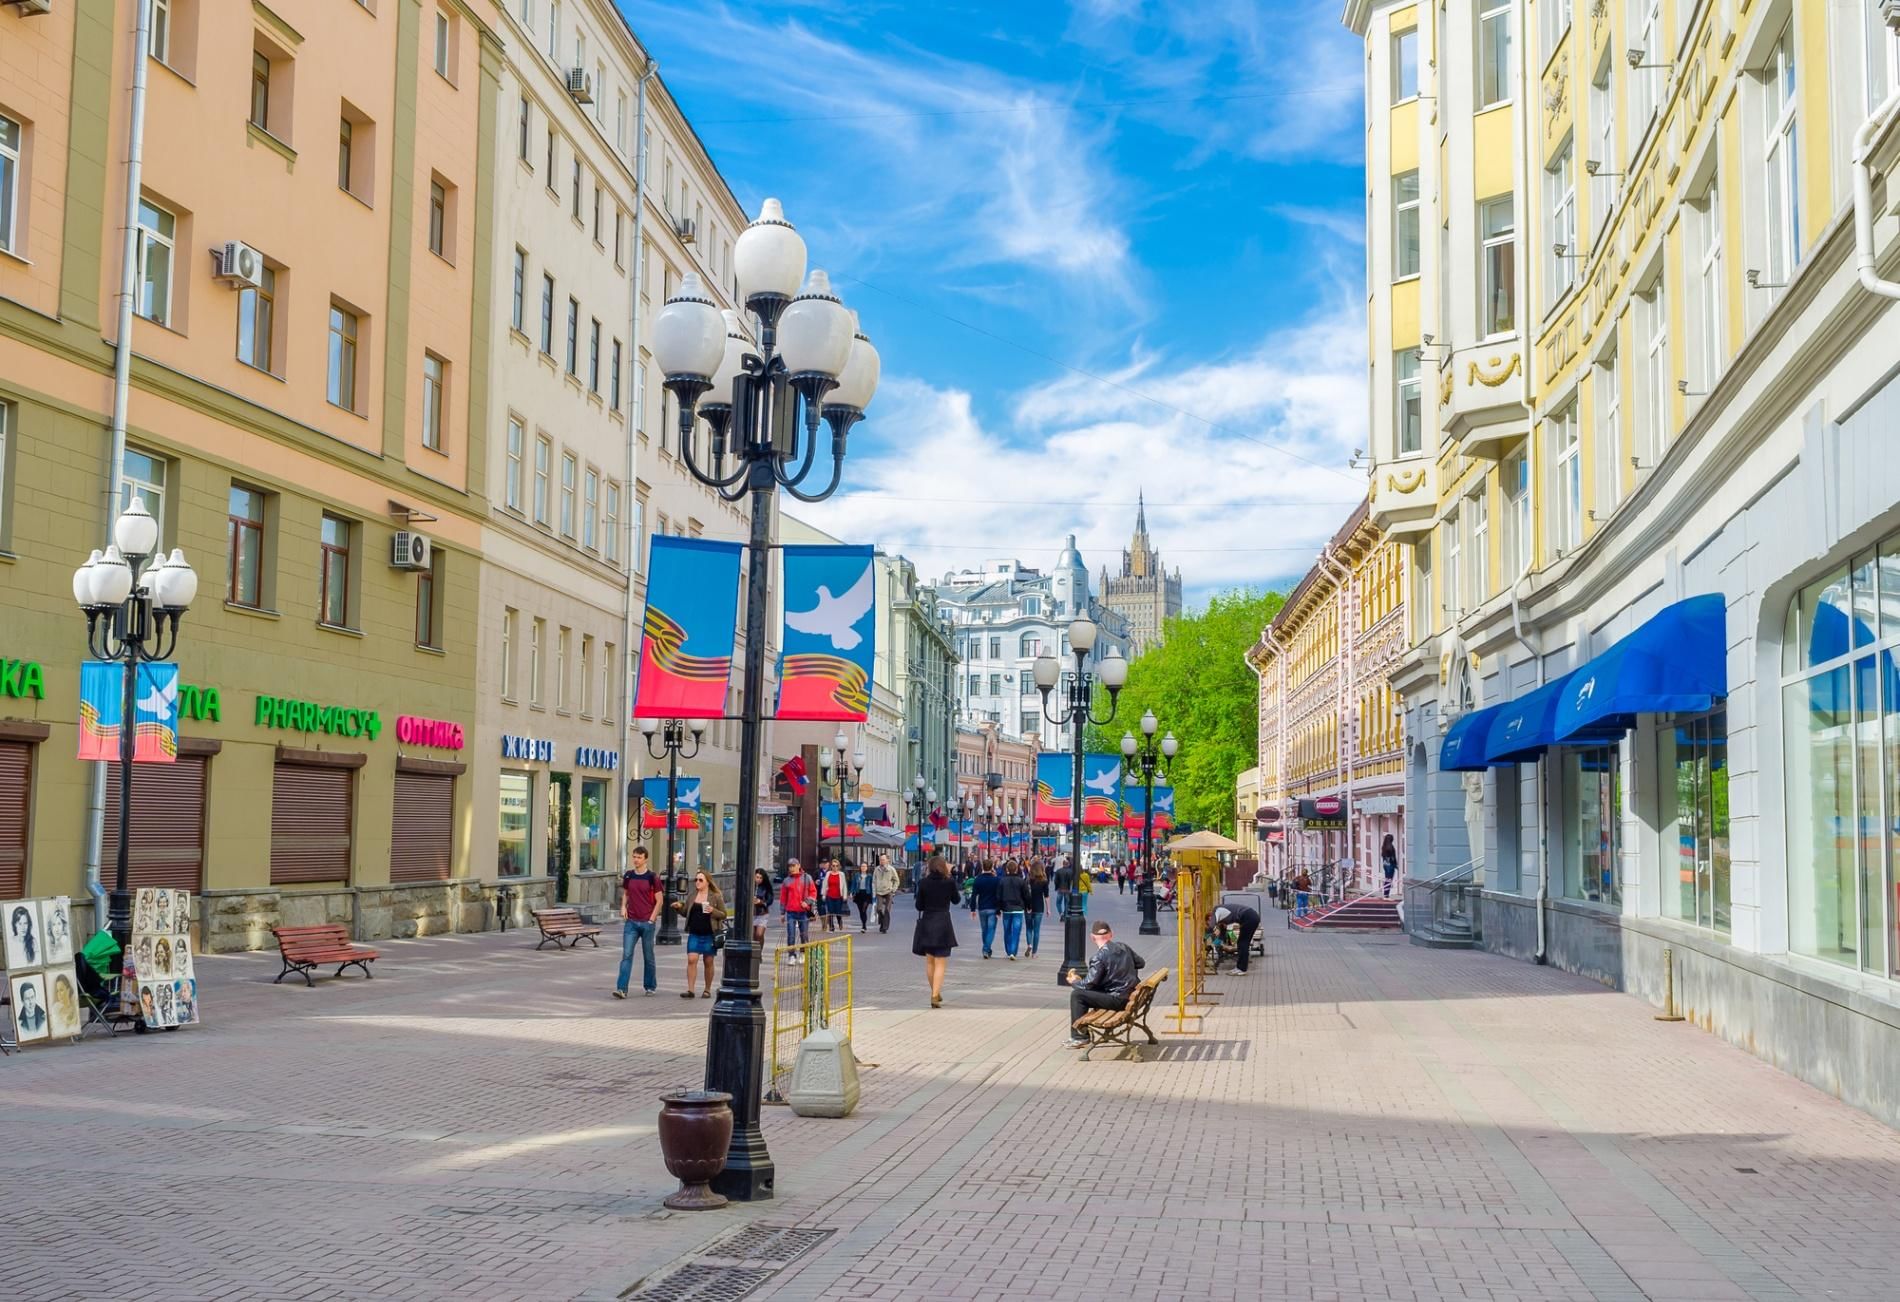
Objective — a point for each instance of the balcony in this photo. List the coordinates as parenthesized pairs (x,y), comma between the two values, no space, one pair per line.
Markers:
(1481,395)
(1403,497)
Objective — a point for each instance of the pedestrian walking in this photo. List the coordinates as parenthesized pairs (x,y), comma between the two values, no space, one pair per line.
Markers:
(1302,893)
(797,900)
(705,923)
(862,895)
(934,937)
(983,889)
(1012,902)
(761,904)
(641,896)
(884,885)
(1065,887)
(1389,862)
(1113,974)
(1245,917)
(1121,879)
(832,893)
(1034,910)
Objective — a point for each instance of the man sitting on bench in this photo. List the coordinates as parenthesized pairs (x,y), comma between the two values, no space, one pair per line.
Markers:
(1111,978)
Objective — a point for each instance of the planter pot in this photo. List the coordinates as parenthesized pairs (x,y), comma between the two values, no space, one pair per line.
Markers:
(695,1128)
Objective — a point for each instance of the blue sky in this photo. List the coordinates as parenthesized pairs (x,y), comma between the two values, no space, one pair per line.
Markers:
(1102,246)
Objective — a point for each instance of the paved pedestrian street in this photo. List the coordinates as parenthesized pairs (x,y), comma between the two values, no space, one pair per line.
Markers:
(1360,1119)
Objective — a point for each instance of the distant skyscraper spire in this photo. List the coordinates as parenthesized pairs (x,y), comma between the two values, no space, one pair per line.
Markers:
(1141,512)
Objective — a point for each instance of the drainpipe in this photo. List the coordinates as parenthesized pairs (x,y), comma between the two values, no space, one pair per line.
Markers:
(1543,805)
(1864,186)
(628,515)
(1279,741)
(1343,572)
(121,397)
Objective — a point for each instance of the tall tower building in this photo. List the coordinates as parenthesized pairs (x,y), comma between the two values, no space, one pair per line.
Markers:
(1146,594)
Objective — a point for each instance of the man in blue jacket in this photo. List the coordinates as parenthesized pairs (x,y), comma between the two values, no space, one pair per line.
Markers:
(983,904)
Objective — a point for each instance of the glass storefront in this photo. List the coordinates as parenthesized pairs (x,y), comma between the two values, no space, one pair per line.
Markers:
(512,854)
(1840,700)
(1593,800)
(592,812)
(1692,757)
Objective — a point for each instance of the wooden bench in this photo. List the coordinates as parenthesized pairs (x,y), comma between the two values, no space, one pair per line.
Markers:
(1117,1025)
(565,927)
(307,948)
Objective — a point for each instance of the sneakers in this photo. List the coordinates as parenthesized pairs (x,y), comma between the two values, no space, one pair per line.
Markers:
(620,994)
(1077,1044)
(645,992)
(1012,958)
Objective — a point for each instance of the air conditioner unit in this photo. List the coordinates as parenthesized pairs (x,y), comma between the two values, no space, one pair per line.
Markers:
(29,7)
(685,229)
(580,85)
(409,551)
(240,266)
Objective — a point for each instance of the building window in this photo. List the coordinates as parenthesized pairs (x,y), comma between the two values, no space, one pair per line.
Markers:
(1029,647)
(344,327)
(518,304)
(345,147)
(639,556)
(597,213)
(574,189)
(1421,602)
(593,356)
(1705,230)
(609,699)
(147,477)
(620,236)
(512,857)
(587,677)
(554,30)
(547,314)
(1404,65)
(11,145)
(508,618)
(1477,518)
(435,379)
(1514,487)
(257,321)
(1780,163)
(590,509)
(1645,84)
(244,521)
(333,573)
(523,119)
(157,229)
(1494,52)
(260,90)
(537,631)
(543,460)
(1603,185)
(613,379)
(610,527)
(1693,750)
(1453,585)
(442,30)
(550,166)
(1608,455)
(996,648)
(6,435)
(1404,225)
(1652,326)
(561,637)
(1592,831)
(1566,520)
(573,336)
(1409,412)
(1553,22)
(517,452)
(438,217)
(1497,222)
(428,604)
(1883,56)
(1560,205)
(568,469)
(161,37)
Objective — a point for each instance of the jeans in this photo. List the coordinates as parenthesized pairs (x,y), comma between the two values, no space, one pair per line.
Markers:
(1083,1001)
(988,920)
(1390,873)
(1012,931)
(1299,904)
(642,932)
(1033,921)
(1247,930)
(797,928)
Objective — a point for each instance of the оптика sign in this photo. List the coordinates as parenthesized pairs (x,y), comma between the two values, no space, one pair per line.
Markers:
(308,716)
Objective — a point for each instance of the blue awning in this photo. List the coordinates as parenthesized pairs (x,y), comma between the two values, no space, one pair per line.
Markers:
(1677,662)
(1462,751)
(1526,727)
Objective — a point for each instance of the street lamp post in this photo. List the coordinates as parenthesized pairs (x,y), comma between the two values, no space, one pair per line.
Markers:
(956,828)
(134,597)
(1076,713)
(1150,754)
(763,403)
(850,770)
(672,738)
(920,810)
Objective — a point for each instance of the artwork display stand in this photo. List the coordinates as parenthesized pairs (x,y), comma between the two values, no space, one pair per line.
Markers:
(41,988)
(158,978)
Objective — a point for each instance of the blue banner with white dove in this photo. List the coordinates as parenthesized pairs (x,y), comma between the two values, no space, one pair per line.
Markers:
(830,637)
(155,716)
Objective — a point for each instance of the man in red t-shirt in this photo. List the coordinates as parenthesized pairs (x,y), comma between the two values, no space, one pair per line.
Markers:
(796,897)
(641,907)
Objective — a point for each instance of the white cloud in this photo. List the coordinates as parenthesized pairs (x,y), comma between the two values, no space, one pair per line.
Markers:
(1227,503)
(1341,224)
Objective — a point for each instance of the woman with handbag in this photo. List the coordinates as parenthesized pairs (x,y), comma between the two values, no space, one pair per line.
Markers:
(935,937)
(705,925)
(862,895)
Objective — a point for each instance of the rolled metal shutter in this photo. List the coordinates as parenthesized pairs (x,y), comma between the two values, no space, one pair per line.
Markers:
(422,828)
(310,819)
(16,785)
(168,824)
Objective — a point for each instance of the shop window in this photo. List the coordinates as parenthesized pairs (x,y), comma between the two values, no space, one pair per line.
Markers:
(512,857)
(1592,831)
(591,814)
(1692,763)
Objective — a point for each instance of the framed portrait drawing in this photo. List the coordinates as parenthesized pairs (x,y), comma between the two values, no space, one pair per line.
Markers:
(31,1020)
(24,947)
(56,930)
(62,1002)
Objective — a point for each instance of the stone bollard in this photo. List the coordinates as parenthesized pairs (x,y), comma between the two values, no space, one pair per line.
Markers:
(825,1077)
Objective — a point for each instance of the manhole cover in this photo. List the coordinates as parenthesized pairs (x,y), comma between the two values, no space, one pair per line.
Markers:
(773,1245)
(702,1283)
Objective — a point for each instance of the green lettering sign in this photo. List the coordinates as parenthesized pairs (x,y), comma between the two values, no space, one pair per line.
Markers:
(264,706)
(22,678)
(209,706)
(278,712)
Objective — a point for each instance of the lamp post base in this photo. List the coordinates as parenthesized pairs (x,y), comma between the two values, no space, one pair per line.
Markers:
(1150,925)
(669,932)
(1075,963)
(735,1056)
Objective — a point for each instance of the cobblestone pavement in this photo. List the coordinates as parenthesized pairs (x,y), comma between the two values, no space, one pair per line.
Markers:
(1359,1119)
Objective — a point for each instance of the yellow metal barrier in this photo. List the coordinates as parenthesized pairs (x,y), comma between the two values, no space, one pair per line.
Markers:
(812,988)
(1195,890)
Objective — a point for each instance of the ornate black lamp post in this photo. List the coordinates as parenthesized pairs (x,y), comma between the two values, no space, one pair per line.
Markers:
(849,772)
(763,403)
(134,597)
(1076,713)
(921,801)
(956,829)
(671,734)
(1149,754)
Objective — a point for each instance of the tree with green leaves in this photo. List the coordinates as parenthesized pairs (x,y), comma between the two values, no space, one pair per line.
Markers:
(1199,685)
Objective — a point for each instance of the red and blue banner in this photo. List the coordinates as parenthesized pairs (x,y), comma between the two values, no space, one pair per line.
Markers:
(653,802)
(692,618)
(1101,790)
(154,717)
(830,636)
(828,819)
(1135,807)
(1055,786)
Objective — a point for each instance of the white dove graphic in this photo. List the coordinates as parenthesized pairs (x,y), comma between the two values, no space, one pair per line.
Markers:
(158,701)
(833,616)
(1103,782)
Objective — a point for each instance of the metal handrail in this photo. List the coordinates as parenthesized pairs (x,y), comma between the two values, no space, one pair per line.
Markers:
(1452,893)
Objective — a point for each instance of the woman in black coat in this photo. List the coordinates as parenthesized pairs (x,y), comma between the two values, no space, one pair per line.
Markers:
(935,937)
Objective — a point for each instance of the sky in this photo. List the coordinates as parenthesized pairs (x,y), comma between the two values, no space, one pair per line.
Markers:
(1104,247)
